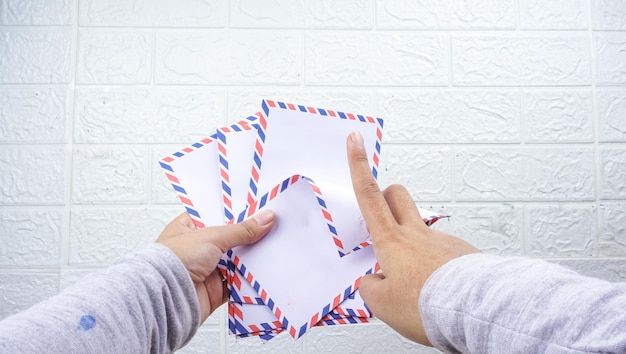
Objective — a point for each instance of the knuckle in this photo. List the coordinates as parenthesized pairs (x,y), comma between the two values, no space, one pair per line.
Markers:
(369,187)
(360,157)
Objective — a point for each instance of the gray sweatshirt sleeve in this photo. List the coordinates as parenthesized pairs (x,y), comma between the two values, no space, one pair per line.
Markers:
(144,303)
(487,304)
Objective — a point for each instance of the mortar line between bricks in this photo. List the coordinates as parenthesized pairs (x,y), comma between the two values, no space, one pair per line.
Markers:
(374,28)
(34,27)
(53,270)
(503,144)
(450,62)
(70,138)
(453,175)
(31,85)
(522,122)
(225,115)
(424,203)
(153,60)
(325,87)
(469,145)
(150,156)
(596,129)
(518,21)
(303,47)
(149,174)
(320,86)
(374,16)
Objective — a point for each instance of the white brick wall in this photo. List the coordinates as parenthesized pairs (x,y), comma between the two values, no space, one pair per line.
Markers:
(508,114)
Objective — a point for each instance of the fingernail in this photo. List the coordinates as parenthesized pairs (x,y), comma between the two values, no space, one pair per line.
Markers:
(357,139)
(263,218)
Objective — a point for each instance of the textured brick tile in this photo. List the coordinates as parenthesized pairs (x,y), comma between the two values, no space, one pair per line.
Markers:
(610,50)
(161,191)
(244,102)
(301,14)
(109,175)
(33,12)
(282,343)
(611,113)
(612,173)
(139,115)
(228,57)
(204,341)
(212,321)
(35,56)
(376,59)
(553,14)
(425,172)
(372,338)
(114,57)
(608,269)
(492,229)
(515,60)
(450,116)
(32,176)
(30,237)
(19,291)
(612,230)
(561,231)
(524,174)
(608,14)
(32,114)
(153,13)
(443,14)
(557,116)
(99,236)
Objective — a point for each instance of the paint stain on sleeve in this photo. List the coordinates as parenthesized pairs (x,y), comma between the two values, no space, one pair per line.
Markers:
(86,323)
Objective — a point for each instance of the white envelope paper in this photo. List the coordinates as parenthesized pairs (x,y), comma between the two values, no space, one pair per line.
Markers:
(305,279)
(193,173)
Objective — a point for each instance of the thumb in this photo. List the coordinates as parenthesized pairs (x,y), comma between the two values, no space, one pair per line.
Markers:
(372,290)
(243,233)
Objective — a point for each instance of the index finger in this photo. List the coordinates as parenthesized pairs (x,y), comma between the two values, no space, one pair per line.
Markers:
(372,203)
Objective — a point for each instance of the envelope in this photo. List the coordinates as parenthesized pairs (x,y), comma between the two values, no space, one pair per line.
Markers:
(308,279)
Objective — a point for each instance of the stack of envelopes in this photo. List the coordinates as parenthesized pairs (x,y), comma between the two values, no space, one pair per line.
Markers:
(290,159)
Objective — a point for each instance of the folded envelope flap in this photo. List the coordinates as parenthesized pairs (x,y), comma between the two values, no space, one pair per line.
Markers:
(340,206)
(305,278)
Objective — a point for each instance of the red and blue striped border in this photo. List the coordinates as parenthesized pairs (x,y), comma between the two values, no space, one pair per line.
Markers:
(221,137)
(166,165)
(333,319)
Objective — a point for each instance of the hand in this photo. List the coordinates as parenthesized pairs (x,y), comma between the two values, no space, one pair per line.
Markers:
(200,250)
(407,250)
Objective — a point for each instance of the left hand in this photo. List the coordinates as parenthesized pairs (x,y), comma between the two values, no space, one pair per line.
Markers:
(201,249)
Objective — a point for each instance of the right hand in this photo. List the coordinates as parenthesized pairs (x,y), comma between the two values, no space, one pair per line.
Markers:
(407,250)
